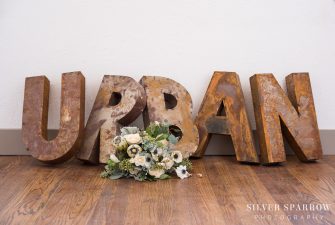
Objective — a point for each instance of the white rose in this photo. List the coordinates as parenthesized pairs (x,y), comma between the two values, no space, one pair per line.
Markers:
(168,163)
(133,139)
(157,173)
(139,160)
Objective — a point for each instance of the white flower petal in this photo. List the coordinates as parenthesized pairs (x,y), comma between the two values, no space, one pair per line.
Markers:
(133,138)
(164,143)
(177,156)
(132,150)
(139,160)
(114,158)
(156,172)
(119,143)
(167,162)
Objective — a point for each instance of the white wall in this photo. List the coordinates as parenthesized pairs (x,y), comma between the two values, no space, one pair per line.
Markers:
(181,39)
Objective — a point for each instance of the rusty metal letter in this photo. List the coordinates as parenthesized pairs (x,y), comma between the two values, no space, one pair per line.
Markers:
(35,118)
(168,101)
(225,93)
(120,101)
(294,115)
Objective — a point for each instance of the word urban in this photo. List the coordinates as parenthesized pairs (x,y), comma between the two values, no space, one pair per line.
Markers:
(120,100)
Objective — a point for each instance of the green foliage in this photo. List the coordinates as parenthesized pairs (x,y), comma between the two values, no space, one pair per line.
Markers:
(121,155)
(157,129)
(111,165)
(172,139)
(116,176)
(129,130)
(187,163)
(104,174)
(164,176)
(161,137)
(149,145)
(126,165)
(144,176)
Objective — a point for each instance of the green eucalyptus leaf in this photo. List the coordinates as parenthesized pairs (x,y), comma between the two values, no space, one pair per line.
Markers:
(164,176)
(104,174)
(150,178)
(172,139)
(161,137)
(121,155)
(138,178)
(111,164)
(115,176)
(129,130)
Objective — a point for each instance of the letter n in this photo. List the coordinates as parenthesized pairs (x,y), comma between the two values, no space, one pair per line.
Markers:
(293,115)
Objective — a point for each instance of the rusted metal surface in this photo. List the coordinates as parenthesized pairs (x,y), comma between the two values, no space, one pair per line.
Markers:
(298,117)
(120,101)
(35,118)
(168,101)
(225,88)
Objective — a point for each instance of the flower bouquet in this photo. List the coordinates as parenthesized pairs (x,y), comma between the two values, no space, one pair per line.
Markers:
(146,155)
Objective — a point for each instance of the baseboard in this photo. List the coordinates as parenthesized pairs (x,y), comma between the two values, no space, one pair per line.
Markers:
(11,144)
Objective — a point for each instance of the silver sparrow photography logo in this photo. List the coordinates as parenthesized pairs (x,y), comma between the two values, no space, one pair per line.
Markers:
(289,211)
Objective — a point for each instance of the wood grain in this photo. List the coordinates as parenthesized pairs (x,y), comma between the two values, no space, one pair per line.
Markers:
(73,193)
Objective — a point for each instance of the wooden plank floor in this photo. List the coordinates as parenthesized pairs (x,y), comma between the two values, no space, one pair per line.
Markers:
(73,193)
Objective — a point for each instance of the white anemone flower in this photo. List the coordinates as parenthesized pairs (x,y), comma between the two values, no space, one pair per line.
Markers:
(133,139)
(177,156)
(133,150)
(143,160)
(148,160)
(182,172)
(114,158)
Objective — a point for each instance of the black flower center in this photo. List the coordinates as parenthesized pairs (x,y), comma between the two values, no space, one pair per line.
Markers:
(175,156)
(155,151)
(183,171)
(148,159)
